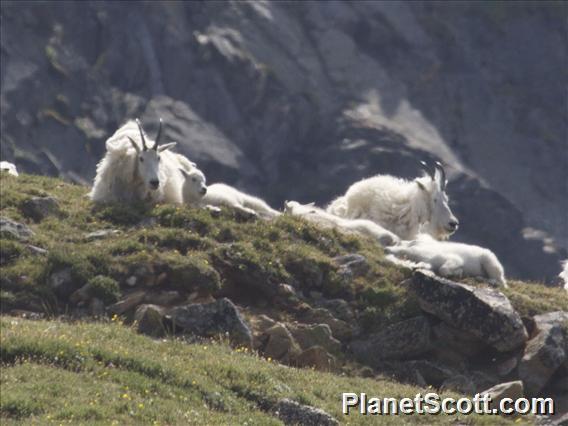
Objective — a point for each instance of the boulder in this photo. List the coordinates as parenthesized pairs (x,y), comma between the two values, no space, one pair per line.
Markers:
(210,319)
(318,358)
(513,390)
(280,344)
(163,297)
(354,265)
(150,320)
(458,383)
(81,295)
(62,282)
(340,329)
(339,308)
(38,208)
(402,340)
(482,312)
(128,302)
(14,230)
(292,413)
(96,307)
(545,353)
(308,335)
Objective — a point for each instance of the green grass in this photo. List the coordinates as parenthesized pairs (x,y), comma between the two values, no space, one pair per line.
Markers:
(105,373)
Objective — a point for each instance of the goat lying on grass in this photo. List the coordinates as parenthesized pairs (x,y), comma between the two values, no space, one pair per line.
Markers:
(452,260)
(359,226)
(400,205)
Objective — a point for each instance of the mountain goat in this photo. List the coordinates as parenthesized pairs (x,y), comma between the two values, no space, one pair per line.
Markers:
(194,186)
(399,205)
(6,166)
(220,194)
(563,276)
(131,170)
(360,226)
(450,259)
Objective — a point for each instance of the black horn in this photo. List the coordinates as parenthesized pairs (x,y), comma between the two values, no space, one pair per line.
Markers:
(158,136)
(442,175)
(142,135)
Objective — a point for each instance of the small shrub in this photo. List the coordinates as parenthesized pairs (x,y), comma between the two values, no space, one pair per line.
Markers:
(105,288)
(9,251)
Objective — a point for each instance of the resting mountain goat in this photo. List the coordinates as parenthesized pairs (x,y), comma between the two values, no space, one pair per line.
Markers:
(563,276)
(6,166)
(322,218)
(399,205)
(450,259)
(130,170)
(220,194)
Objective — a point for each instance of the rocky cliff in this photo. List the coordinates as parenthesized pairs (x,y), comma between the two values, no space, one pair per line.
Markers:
(296,100)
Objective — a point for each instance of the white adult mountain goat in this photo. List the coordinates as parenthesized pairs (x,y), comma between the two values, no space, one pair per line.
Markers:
(220,194)
(322,218)
(6,166)
(563,276)
(450,259)
(131,170)
(400,205)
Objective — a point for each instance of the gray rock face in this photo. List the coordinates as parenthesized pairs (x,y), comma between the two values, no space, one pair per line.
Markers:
(62,282)
(406,339)
(546,352)
(315,335)
(285,93)
(483,312)
(38,208)
(292,413)
(13,229)
(210,319)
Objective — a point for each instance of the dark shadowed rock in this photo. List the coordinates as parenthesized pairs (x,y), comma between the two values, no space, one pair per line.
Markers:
(38,208)
(483,312)
(128,302)
(341,330)
(308,335)
(403,340)
(292,413)
(545,353)
(62,282)
(318,358)
(14,230)
(210,319)
(150,320)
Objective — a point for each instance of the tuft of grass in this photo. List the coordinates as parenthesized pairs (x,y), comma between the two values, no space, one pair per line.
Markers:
(104,288)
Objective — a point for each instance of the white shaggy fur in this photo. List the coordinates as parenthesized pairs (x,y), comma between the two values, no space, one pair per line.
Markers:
(360,226)
(564,274)
(450,259)
(399,205)
(220,194)
(130,172)
(194,186)
(6,166)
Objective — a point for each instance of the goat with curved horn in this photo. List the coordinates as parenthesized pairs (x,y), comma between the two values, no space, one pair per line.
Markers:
(442,175)
(142,135)
(429,170)
(158,136)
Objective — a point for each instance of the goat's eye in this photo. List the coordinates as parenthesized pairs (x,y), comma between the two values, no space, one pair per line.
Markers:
(194,179)
(159,158)
(141,160)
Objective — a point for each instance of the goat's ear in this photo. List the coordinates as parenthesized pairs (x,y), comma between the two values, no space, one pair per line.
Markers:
(166,146)
(420,185)
(134,144)
(183,172)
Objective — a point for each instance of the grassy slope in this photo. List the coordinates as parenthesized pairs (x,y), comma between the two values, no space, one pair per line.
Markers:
(100,373)
(63,370)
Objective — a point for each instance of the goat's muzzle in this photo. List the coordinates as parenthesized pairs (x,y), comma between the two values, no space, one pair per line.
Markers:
(154,184)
